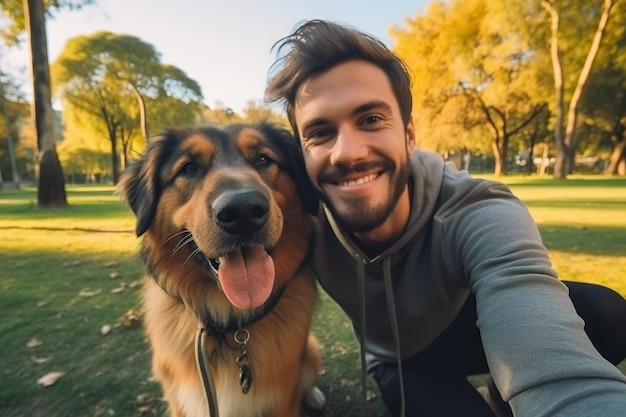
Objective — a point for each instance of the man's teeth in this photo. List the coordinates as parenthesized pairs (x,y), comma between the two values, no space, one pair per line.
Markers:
(359,181)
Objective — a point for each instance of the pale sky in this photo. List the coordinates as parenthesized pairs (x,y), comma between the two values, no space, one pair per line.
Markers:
(224,45)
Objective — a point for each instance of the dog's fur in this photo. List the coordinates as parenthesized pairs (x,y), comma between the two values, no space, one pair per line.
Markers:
(198,194)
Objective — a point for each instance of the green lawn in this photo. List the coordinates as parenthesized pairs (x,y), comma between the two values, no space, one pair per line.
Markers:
(68,273)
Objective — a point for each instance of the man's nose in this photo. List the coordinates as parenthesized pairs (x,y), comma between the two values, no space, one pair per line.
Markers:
(350,146)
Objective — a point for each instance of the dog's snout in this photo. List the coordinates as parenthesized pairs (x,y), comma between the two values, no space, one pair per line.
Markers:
(241,212)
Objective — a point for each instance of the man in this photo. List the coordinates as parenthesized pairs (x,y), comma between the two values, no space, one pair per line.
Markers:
(442,275)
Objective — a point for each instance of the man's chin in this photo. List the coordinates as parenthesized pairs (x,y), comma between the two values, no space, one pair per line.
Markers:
(358,219)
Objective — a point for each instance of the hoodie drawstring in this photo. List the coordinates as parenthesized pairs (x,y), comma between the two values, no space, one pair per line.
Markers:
(391,309)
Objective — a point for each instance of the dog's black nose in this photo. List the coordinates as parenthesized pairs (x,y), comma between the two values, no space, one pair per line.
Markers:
(241,212)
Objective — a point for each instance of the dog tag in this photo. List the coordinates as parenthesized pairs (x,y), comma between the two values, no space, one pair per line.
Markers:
(245,378)
(245,373)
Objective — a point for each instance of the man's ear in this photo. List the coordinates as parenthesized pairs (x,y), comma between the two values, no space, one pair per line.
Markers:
(410,136)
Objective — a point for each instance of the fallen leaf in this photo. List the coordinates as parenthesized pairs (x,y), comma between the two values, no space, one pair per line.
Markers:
(131,318)
(40,361)
(114,275)
(370,395)
(143,398)
(34,342)
(106,329)
(117,290)
(145,409)
(88,292)
(50,378)
(111,264)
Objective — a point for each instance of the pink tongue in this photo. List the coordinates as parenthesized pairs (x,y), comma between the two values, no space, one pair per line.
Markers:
(247,277)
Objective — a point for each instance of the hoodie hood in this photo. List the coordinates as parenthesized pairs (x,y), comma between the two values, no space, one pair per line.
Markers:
(425,178)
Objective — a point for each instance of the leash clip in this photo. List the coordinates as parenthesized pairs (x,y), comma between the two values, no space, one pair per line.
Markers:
(241,337)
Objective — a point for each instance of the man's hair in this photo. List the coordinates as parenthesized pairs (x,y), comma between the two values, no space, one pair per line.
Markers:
(317,46)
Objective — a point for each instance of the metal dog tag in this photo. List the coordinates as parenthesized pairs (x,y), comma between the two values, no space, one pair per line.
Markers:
(245,378)
(245,373)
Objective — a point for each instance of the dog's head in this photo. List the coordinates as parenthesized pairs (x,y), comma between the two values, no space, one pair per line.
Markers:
(207,197)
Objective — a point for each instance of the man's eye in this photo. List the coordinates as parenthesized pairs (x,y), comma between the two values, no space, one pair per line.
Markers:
(370,120)
(320,135)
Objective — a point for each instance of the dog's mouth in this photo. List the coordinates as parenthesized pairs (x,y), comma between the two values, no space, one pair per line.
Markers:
(246,275)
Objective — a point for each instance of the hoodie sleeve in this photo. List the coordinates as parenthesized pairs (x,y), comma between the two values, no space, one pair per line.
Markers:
(538,352)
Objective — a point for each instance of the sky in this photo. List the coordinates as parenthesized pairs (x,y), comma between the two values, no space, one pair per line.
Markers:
(224,45)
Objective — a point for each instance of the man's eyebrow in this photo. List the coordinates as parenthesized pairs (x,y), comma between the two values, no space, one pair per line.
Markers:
(371,105)
(318,121)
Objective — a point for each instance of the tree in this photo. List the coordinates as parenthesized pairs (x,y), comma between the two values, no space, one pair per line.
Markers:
(256,111)
(51,186)
(603,106)
(16,25)
(111,84)
(31,18)
(220,115)
(12,109)
(565,122)
(473,77)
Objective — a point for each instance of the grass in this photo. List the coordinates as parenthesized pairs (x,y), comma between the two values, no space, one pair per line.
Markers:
(68,273)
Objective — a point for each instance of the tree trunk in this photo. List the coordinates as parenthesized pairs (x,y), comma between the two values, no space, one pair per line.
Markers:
(51,187)
(143,119)
(617,156)
(572,113)
(5,114)
(565,137)
(115,160)
(499,155)
(557,70)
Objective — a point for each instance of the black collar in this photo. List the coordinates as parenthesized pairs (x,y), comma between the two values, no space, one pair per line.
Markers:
(215,327)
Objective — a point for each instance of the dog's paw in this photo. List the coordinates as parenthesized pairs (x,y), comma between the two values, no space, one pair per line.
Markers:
(315,398)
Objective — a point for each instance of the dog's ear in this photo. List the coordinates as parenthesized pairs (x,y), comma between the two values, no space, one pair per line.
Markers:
(140,186)
(294,165)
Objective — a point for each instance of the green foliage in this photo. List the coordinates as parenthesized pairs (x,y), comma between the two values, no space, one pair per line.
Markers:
(472,77)
(13,14)
(13,108)
(482,73)
(254,112)
(105,79)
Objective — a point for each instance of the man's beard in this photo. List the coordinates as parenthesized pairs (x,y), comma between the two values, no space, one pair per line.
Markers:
(361,216)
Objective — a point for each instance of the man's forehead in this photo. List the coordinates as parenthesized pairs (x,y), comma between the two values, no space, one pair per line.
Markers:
(344,88)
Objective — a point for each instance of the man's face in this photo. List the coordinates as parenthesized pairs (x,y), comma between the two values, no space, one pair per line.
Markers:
(355,144)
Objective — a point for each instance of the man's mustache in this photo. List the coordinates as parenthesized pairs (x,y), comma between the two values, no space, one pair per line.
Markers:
(337,173)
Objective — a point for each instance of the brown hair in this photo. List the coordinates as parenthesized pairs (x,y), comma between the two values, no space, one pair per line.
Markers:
(317,46)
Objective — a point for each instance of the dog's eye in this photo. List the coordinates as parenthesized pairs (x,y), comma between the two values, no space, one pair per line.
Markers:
(263,159)
(189,168)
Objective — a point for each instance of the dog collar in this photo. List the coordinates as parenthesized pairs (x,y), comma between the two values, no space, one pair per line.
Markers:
(233,325)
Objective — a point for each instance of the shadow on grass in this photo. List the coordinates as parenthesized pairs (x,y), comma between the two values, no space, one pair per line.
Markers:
(593,240)
(54,304)
(590,181)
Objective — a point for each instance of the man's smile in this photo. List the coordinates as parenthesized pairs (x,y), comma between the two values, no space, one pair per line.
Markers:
(359,181)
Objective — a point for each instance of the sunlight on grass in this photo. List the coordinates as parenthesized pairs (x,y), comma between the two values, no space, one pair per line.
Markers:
(68,272)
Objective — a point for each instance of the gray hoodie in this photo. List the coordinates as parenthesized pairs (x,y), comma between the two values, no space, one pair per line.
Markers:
(472,235)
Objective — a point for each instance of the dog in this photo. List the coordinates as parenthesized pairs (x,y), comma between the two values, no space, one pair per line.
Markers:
(226,220)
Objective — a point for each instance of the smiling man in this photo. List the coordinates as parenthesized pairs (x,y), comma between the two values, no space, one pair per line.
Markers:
(443,275)
(351,123)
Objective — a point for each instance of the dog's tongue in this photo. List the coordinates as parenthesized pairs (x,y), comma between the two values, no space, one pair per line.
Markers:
(247,277)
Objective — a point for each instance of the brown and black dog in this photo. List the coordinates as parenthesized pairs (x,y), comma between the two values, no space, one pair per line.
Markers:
(227,227)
